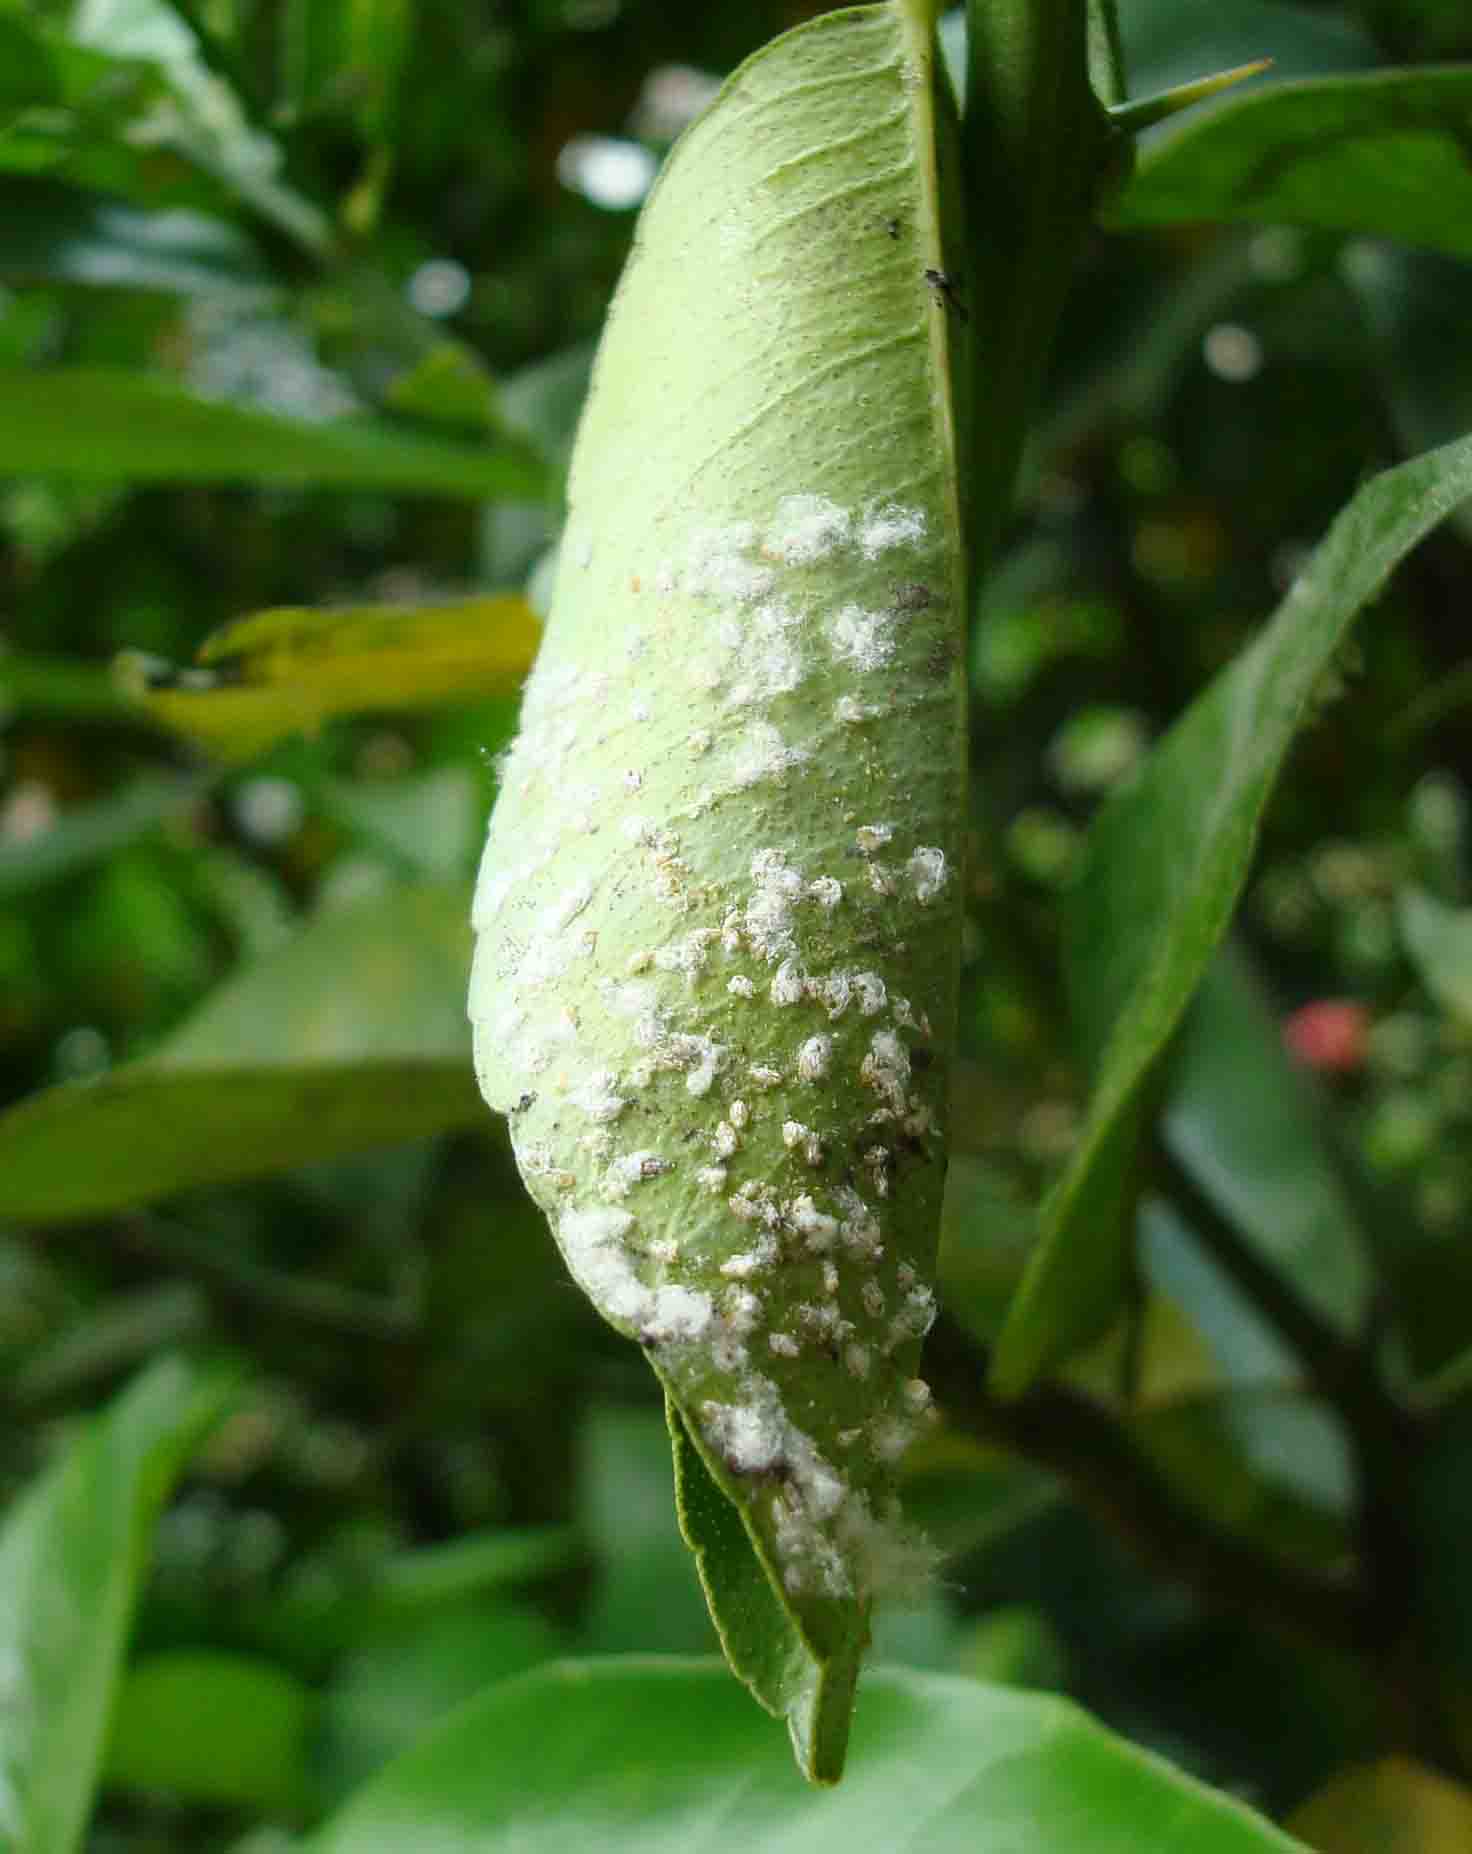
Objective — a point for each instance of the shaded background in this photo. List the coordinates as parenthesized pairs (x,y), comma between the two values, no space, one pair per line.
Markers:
(421,1368)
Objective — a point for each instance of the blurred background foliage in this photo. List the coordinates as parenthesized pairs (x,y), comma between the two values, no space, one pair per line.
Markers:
(297,301)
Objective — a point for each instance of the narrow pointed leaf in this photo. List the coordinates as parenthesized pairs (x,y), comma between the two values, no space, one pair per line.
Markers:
(1166,864)
(100,424)
(717,916)
(1382,152)
(351,1036)
(72,1552)
(288,671)
(634,1754)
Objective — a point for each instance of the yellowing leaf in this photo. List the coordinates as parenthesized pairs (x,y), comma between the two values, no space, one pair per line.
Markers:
(278,672)
(1394,1807)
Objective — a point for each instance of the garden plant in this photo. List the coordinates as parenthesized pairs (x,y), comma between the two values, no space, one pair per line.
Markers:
(881,591)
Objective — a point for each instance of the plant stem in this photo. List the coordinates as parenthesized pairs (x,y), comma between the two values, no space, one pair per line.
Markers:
(1040,153)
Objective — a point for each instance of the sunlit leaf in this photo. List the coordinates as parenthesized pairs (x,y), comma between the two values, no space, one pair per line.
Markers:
(633,1754)
(288,671)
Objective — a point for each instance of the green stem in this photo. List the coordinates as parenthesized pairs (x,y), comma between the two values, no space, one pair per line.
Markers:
(1040,152)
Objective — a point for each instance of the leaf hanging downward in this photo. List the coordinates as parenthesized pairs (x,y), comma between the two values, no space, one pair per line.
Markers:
(718,914)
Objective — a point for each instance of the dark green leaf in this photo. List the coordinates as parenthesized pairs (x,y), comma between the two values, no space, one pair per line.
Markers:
(207,1727)
(1167,861)
(98,423)
(1383,152)
(72,1553)
(351,1036)
(625,1755)
(1170,42)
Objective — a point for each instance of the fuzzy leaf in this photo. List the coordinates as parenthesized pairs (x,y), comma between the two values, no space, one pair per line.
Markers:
(718,915)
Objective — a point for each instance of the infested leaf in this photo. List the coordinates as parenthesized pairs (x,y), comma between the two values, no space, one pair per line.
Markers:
(718,911)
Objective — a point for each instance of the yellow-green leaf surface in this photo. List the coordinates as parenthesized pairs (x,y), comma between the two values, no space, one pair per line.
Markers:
(624,1756)
(1394,1807)
(718,912)
(280,672)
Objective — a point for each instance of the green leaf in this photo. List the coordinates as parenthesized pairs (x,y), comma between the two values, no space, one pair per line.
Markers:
(351,1036)
(31,683)
(98,423)
(287,671)
(634,1754)
(51,233)
(1167,861)
(647,1599)
(807,1681)
(403,1676)
(1439,942)
(1382,152)
(1241,1121)
(207,1727)
(72,1553)
(1170,42)
(718,927)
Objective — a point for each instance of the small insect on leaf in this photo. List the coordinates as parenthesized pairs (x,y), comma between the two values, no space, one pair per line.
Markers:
(718,914)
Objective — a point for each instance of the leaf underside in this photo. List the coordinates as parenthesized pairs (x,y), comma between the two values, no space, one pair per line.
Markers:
(718,913)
